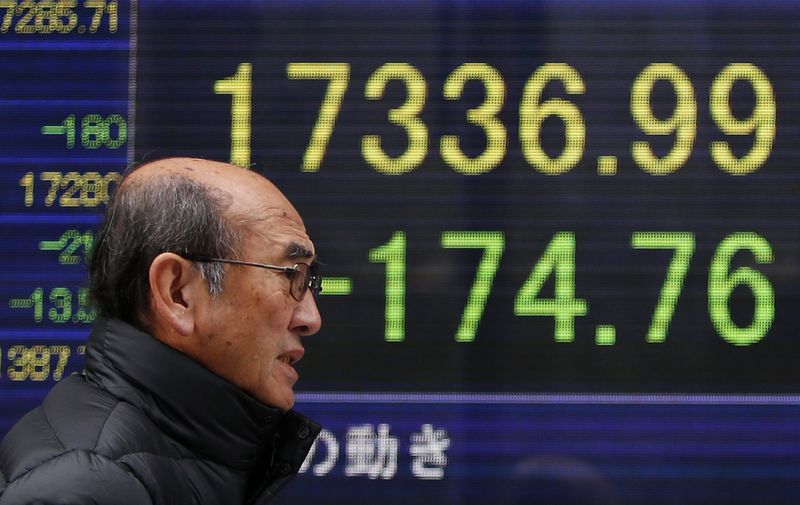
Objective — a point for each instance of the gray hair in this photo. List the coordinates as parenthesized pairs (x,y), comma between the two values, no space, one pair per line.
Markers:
(169,213)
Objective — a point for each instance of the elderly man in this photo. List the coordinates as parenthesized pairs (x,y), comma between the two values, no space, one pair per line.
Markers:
(201,274)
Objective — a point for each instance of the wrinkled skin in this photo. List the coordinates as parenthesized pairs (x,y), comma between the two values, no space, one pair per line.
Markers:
(251,333)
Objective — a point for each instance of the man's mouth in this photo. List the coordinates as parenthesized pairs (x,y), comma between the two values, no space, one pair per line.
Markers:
(291,357)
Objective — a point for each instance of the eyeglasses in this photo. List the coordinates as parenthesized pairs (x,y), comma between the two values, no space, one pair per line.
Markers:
(302,276)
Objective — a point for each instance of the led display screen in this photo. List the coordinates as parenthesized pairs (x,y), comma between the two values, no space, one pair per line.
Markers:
(560,239)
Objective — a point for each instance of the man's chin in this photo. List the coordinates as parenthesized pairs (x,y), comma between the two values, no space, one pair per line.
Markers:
(285,401)
(290,403)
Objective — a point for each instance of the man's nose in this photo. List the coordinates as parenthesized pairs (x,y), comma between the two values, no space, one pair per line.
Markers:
(306,319)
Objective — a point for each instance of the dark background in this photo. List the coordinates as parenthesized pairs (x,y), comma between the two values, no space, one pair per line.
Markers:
(350,208)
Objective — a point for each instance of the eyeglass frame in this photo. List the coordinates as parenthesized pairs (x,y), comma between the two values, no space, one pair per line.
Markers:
(314,279)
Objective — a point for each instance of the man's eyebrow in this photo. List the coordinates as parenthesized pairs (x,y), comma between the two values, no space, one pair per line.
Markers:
(295,250)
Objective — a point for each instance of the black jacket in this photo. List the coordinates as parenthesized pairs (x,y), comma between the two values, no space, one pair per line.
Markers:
(145,425)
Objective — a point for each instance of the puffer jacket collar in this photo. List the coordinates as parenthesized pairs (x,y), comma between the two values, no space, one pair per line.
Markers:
(199,409)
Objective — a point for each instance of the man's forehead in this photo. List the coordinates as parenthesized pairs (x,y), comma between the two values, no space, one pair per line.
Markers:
(277,215)
(283,231)
(277,223)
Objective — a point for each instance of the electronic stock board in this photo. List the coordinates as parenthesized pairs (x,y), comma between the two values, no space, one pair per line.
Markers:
(560,238)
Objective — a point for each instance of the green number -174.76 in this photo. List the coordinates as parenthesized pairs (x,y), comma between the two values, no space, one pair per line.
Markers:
(558,261)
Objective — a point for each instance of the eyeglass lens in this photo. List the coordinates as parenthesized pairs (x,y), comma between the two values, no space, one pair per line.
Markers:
(305,277)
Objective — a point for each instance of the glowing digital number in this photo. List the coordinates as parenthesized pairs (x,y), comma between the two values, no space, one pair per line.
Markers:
(721,285)
(532,115)
(68,126)
(61,311)
(72,182)
(558,259)
(54,178)
(484,116)
(122,131)
(27,182)
(683,244)
(38,363)
(102,7)
(10,6)
(682,122)
(493,244)
(96,131)
(112,9)
(63,11)
(19,357)
(239,85)
(24,24)
(49,14)
(338,75)
(67,244)
(63,352)
(91,190)
(43,21)
(762,120)
(92,131)
(404,116)
(393,254)
(99,6)
(84,314)
(34,363)
(35,302)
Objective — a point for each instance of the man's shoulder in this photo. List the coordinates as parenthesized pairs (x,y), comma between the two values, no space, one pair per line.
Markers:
(76,477)
(77,416)
(70,417)
(90,446)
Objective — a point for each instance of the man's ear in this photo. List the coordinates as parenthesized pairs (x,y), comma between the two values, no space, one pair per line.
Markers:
(176,288)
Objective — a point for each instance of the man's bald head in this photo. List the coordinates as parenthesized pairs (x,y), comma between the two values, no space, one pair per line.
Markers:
(187,206)
(240,189)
